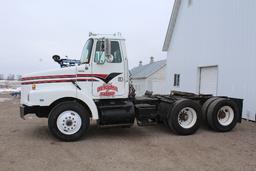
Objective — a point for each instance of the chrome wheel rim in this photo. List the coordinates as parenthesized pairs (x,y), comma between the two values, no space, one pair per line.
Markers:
(187,117)
(69,122)
(225,115)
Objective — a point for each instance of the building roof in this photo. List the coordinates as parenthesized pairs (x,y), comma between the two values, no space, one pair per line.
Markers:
(145,71)
(172,22)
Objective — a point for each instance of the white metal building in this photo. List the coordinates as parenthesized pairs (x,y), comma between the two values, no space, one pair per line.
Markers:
(149,77)
(211,48)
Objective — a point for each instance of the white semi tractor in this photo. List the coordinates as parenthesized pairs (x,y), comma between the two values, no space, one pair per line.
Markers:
(99,89)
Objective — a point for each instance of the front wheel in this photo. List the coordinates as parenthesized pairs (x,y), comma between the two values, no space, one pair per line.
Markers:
(68,121)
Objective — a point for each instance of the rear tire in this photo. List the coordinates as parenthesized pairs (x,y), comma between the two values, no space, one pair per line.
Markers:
(222,115)
(205,108)
(68,121)
(185,117)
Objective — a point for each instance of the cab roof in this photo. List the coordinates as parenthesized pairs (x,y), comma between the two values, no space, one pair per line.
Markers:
(117,36)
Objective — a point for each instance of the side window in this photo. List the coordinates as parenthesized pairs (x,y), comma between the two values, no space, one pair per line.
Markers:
(115,51)
(176,81)
(98,52)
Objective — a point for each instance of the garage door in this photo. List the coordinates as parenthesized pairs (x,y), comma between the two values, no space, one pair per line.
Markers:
(208,81)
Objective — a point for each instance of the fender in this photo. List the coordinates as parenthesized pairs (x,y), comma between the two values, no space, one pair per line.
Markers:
(90,103)
(47,97)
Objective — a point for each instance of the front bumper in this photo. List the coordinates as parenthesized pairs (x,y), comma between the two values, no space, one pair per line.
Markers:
(40,111)
(24,110)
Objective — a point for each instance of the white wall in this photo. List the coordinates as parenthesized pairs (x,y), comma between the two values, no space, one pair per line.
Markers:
(140,86)
(221,33)
(154,83)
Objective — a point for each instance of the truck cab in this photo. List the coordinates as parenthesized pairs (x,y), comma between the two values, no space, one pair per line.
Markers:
(101,75)
(99,89)
(108,74)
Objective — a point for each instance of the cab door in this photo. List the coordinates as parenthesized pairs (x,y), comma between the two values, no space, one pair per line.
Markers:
(110,74)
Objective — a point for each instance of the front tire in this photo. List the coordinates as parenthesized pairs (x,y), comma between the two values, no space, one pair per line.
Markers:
(68,121)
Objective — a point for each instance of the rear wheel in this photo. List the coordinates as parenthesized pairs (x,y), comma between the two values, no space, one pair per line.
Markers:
(205,108)
(222,115)
(68,121)
(185,117)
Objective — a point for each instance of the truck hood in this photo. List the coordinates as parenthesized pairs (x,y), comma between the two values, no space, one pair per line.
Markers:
(51,73)
(41,80)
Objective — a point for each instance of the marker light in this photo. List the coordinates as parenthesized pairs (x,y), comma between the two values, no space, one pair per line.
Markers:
(33,86)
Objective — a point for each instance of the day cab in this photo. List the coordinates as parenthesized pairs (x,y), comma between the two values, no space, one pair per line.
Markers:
(99,89)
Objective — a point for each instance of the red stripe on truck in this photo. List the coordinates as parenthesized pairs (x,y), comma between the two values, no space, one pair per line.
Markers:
(47,77)
(93,75)
(64,76)
(57,81)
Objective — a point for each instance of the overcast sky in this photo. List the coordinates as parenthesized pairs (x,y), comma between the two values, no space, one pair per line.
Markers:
(32,31)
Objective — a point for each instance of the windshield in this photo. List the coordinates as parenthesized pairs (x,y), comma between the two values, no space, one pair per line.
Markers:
(86,53)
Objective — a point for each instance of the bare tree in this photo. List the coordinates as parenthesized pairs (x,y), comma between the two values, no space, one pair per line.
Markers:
(11,77)
(1,76)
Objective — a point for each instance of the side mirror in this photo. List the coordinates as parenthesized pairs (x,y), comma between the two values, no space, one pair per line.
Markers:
(56,58)
(108,50)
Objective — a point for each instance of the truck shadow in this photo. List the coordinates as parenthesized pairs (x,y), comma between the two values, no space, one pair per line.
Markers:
(94,132)
(135,132)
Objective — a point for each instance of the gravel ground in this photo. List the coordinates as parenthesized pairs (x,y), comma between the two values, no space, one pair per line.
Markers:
(28,145)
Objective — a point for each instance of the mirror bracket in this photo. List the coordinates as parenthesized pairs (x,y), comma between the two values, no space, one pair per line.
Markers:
(108,54)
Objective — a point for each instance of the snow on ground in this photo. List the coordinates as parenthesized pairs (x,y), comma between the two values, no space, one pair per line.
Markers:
(9,90)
